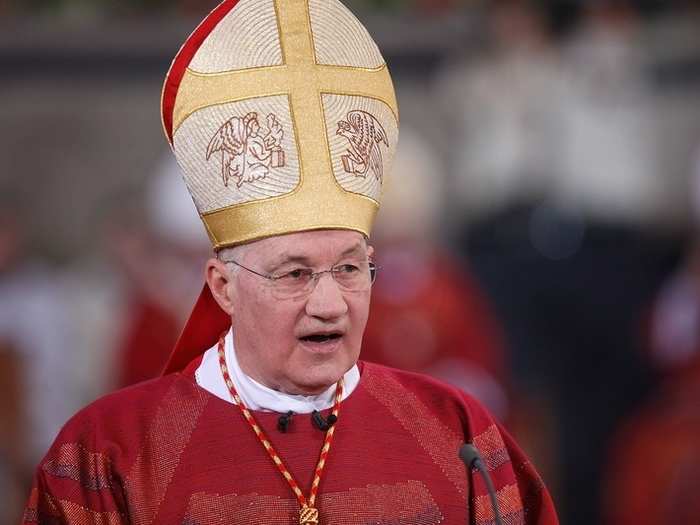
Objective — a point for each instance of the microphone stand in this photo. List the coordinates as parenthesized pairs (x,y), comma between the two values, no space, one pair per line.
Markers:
(471,458)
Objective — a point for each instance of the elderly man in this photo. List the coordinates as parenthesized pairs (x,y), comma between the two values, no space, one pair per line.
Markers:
(283,118)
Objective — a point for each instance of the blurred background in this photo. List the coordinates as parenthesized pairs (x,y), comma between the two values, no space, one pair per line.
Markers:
(538,245)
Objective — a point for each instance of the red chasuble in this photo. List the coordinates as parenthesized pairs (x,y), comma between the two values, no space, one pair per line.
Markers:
(169,452)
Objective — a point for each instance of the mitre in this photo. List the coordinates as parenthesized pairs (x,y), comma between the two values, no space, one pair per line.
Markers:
(283,118)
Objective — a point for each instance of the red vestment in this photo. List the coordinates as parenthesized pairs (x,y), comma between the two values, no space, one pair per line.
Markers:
(169,452)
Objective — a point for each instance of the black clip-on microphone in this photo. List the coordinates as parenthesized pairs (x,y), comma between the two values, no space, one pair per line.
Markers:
(321,422)
(471,458)
(284,421)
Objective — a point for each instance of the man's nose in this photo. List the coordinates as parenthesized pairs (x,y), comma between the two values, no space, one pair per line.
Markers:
(326,300)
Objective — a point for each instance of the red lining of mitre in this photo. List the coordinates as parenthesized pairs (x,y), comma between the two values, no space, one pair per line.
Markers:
(203,328)
(184,57)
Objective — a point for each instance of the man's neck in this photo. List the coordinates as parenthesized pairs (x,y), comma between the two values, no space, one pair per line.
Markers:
(257,396)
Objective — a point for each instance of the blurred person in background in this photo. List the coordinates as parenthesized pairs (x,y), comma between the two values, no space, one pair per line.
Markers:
(558,191)
(13,428)
(500,109)
(609,168)
(13,470)
(154,306)
(35,349)
(616,177)
(653,465)
(654,460)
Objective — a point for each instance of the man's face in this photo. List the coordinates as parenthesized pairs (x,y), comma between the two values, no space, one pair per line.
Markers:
(304,344)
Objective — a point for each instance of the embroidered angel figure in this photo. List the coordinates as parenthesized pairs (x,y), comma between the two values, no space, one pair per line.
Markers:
(365,134)
(248,151)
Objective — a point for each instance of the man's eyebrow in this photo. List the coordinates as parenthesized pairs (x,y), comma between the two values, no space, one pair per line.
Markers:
(357,248)
(285,258)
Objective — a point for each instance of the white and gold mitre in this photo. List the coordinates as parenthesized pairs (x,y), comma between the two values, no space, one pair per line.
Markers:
(283,118)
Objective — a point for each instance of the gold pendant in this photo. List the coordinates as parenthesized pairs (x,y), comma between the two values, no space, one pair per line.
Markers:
(308,516)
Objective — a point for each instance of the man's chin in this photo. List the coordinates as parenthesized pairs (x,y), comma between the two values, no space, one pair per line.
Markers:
(317,381)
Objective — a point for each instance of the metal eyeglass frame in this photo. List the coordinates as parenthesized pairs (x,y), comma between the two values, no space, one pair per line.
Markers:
(315,276)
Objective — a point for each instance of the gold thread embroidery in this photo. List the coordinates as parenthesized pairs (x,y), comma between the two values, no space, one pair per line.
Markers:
(248,151)
(172,424)
(365,135)
(437,439)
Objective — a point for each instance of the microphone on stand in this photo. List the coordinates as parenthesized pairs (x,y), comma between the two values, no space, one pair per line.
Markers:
(471,458)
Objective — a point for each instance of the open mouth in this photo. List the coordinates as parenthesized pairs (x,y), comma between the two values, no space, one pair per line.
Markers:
(320,338)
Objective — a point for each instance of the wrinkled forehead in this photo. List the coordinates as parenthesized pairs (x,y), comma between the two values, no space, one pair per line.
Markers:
(312,246)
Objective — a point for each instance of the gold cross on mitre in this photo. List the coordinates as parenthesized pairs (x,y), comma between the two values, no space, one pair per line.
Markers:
(309,86)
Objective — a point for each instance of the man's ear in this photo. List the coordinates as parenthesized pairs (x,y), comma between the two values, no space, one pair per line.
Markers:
(370,251)
(219,280)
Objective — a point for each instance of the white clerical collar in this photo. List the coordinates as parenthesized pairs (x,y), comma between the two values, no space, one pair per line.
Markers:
(259,397)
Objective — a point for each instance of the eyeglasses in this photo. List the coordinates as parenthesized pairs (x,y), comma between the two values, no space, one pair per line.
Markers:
(350,277)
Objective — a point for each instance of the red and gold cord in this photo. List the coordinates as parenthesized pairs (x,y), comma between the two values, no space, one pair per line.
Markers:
(308,514)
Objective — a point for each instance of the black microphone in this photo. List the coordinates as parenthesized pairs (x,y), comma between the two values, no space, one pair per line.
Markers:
(471,458)
(321,422)
(284,421)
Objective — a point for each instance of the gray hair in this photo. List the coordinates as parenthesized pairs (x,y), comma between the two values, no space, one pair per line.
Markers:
(235,253)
